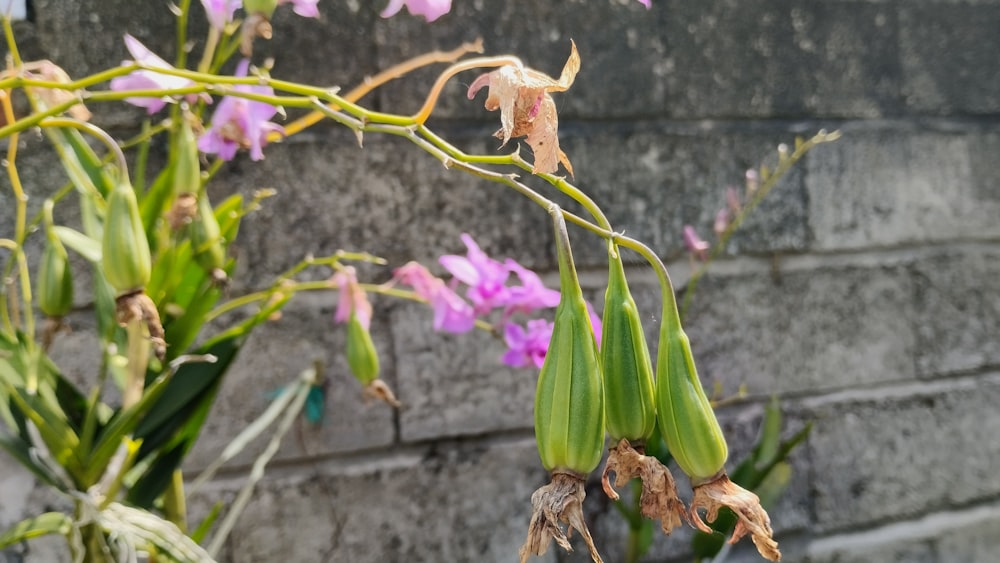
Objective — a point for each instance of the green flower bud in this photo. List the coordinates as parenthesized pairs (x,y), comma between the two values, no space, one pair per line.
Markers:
(361,355)
(569,397)
(686,418)
(55,281)
(206,238)
(187,170)
(125,251)
(628,370)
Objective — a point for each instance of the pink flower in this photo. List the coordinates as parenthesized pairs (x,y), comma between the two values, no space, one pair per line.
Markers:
(693,242)
(647,3)
(527,347)
(220,12)
(721,222)
(240,123)
(531,294)
(485,277)
(148,79)
(352,298)
(430,9)
(451,313)
(304,8)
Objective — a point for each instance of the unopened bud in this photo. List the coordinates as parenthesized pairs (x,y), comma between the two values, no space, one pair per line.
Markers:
(126,261)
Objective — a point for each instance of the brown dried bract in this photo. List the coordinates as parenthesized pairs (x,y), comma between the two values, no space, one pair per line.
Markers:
(138,305)
(51,72)
(380,391)
(659,500)
(184,210)
(561,501)
(526,108)
(753,519)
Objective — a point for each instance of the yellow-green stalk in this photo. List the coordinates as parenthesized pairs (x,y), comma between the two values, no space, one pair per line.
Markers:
(569,398)
(206,239)
(628,370)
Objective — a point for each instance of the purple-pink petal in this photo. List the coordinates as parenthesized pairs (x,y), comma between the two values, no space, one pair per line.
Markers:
(527,346)
(486,277)
(430,9)
(239,122)
(220,12)
(531,294)
(304,8)
(148,79)
(647,3)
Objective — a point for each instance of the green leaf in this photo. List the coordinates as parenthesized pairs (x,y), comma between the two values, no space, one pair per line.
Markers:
(37,526)
(202,530)
(81,243)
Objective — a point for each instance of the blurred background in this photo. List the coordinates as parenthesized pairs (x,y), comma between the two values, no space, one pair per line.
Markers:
(863,293)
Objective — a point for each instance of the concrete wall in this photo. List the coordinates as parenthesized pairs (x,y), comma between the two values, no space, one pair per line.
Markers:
(864,291)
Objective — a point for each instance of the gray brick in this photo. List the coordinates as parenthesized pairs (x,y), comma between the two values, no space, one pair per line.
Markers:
(659,178)
(894,187)
(921,552)
(390,199)
(273,357)
(958,304)
(973,541)
(905,452)
(751,329)
(944,47)
(455,385)
(453,503)
(718,59)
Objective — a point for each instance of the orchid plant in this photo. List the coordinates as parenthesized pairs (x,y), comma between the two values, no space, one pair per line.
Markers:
(158,250)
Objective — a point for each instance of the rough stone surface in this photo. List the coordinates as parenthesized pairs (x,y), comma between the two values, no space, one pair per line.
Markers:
(894,457)
(958,316)
(452,502)
(389,199)
(943,72)
(653,179)
(886,188)
(272,358)
(751,330)
(729,58)
(455,385)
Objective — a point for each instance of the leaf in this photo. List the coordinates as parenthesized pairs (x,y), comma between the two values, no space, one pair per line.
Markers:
(81,243)
(37,526)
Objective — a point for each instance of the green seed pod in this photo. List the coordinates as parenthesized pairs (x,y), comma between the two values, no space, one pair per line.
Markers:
(187,170)
(55,281)
(125,251)
(361,355)
(686,418)
(628,370)
(569,397)
(206,237)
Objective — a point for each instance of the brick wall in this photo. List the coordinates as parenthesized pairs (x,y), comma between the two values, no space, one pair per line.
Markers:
(864,291)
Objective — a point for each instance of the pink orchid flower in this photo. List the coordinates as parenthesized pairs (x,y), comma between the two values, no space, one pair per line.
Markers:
(430,9)
(352,298)
(304,8)
(527,346)
(451,313)
(240,123)
(647,3)
(220,12)
(531,295)
(695,245)
(149,79)
(486,277)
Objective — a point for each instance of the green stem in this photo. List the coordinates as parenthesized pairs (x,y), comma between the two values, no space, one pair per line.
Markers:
(183,9)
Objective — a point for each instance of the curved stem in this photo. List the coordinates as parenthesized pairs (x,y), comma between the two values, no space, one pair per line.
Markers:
(435,91)
(102,135)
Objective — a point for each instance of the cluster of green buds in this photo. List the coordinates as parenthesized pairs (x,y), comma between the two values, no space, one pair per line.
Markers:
(578,391)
